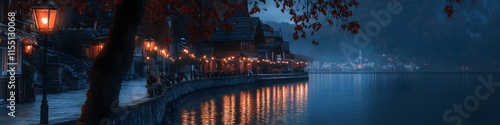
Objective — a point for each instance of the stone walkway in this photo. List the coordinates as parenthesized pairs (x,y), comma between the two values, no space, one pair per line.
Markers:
(66,106)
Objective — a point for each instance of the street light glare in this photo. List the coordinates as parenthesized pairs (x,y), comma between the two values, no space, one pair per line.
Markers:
(45,20)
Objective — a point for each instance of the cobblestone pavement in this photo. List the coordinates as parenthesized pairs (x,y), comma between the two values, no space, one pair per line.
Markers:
(67,105)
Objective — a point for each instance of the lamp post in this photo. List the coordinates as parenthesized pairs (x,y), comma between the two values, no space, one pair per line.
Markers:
(149,43)
(44,14)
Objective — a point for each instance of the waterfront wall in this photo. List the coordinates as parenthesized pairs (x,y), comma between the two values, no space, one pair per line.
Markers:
(154,110)
(281,78)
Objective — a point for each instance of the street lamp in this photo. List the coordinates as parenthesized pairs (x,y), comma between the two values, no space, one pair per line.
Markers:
(44,14)
(29,48)
(148,46)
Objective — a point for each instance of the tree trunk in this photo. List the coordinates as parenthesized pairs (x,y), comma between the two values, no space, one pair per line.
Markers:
(112,62)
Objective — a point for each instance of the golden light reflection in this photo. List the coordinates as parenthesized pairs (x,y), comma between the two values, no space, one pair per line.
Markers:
(208,112)
(263,105)
(188,117)
(278,104)
(245,108)
(228,109)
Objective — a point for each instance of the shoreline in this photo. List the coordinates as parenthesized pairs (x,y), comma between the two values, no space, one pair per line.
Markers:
(142,108)
(402,72)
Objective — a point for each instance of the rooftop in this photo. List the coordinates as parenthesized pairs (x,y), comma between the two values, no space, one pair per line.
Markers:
(245,28)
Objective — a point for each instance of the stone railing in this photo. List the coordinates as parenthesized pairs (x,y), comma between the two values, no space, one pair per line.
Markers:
(154,110)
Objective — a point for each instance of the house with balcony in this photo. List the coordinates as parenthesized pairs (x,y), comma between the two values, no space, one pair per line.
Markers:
(238,47)
(271,48)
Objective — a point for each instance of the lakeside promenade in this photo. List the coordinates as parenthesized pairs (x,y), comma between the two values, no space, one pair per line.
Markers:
(402,72)
(65,108)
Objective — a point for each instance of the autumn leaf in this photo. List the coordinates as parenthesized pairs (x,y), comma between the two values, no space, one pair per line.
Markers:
(295,35)
(343,26)
(449,10)
(204,19)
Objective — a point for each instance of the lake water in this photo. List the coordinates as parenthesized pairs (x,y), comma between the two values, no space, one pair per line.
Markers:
(350,99)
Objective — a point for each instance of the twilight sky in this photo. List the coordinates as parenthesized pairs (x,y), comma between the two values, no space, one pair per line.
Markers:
(421,30)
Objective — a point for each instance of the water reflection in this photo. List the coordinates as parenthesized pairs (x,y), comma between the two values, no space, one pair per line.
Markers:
(188,117)
(228,109)
(208,112)
(344,99)
(267,105)
(246,104)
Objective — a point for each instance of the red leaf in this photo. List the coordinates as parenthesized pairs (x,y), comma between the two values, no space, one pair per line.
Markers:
(449,10)
(295,35)
(297,27)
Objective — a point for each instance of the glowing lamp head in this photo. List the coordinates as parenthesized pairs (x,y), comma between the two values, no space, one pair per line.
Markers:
(149,43)
(45,21)
(45,14)
(28,49)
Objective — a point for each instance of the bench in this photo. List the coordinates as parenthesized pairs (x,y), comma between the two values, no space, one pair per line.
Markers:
(154,89)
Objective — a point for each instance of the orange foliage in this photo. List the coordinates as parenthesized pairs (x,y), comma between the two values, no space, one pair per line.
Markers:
(205,17)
